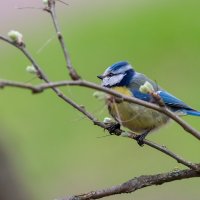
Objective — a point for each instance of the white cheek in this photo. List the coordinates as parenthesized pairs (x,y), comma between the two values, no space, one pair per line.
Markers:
(110,81)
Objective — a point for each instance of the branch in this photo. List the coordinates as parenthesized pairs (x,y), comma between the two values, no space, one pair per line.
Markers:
(131,185)
(162,149)
(87,84)
(42,87)
(42,76)
(137,183)
(51,9)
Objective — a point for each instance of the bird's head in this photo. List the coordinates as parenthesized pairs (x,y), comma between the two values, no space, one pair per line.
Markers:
(118,74)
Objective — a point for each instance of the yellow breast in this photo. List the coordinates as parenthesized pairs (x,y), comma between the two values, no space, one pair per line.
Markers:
(135,117)
(123,90)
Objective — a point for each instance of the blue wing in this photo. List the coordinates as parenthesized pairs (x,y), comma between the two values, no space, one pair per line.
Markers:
(170,101)
(176,104)
(142,96)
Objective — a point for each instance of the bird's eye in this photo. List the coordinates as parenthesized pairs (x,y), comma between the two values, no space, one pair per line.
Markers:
(110,74)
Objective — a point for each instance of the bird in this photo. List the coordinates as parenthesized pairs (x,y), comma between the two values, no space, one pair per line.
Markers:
(123,78)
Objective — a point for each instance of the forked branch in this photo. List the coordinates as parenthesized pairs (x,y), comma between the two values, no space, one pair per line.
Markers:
(135,183)
(87,84)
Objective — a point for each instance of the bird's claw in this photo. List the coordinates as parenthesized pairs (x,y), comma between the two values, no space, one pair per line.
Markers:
(113,127)
(140,139)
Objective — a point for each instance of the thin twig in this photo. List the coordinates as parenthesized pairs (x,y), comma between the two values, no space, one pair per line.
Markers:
(91,85)
(29,7)
(162,149)
(136,184)
(63,2)
(45,78)
(131,185)
(72,72)
(40,88)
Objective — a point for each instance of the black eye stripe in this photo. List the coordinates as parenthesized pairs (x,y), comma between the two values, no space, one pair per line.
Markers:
(111,74)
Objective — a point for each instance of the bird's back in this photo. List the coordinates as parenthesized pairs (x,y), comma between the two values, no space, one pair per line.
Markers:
(140,79)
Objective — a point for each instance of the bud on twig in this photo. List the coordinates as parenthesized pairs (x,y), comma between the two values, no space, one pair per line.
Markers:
(146,88)
(31,69)
(16,36)
(107,120)
(99,95)
(45,1)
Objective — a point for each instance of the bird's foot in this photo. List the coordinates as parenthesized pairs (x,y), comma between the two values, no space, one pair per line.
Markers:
(140,138)
(113,127)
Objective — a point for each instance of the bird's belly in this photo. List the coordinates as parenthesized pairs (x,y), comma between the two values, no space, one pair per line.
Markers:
(136,117)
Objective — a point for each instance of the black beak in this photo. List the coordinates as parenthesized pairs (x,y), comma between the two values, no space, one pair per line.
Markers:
(100,77)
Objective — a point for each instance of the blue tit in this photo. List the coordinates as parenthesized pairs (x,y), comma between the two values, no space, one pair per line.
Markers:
(122,78)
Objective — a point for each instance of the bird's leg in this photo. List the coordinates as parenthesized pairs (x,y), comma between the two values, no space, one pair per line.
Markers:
(140,138)
(113,127)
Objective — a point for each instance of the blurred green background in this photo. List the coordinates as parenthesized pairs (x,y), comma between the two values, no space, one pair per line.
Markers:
(54,150)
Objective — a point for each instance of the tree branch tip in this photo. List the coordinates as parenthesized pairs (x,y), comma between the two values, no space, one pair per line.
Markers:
(63,2)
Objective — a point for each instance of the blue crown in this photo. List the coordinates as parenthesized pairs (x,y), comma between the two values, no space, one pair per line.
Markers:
(118,65)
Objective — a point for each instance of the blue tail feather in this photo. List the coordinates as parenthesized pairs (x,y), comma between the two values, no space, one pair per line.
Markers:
(192,112)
